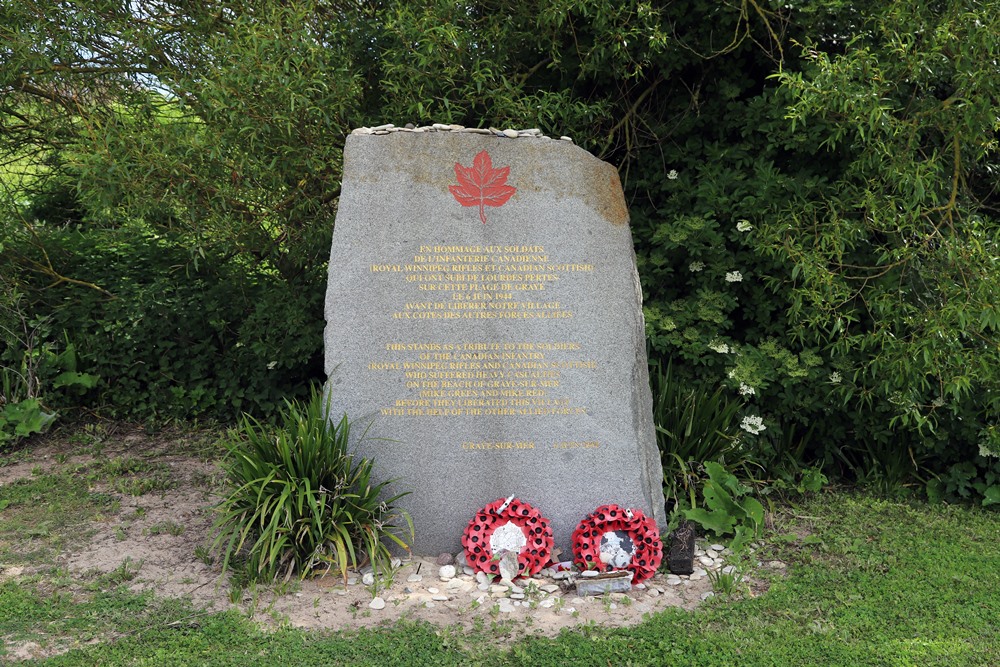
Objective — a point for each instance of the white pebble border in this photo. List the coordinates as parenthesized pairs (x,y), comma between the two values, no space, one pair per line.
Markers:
(389,128)
(550,589)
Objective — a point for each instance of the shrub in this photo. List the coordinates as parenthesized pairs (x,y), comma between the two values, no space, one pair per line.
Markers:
(176,334)
(302,503)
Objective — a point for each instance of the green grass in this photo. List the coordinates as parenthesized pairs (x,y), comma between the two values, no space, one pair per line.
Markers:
(871,582)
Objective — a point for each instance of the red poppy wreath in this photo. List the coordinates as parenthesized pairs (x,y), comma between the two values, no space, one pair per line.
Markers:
(508,525)
(612,538)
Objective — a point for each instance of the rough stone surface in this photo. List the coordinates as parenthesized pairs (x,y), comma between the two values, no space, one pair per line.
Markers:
(523,336)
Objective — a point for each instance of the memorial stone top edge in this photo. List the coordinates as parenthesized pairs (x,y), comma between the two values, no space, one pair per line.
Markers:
(600,186)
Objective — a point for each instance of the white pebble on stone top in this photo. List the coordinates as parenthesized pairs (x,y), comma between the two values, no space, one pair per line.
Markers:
(509,133)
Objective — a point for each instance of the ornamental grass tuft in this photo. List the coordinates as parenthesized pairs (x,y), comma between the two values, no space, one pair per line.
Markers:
(302,503)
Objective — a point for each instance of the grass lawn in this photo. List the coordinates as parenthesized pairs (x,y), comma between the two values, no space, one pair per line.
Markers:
(871,582)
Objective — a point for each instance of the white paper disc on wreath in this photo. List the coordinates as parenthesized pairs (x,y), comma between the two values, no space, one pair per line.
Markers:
(617,549)
(508,537)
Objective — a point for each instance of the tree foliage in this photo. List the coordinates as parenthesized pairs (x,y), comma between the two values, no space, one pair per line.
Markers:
(812,187)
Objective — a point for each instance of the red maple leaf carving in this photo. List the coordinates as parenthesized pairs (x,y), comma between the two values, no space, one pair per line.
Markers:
(481,185)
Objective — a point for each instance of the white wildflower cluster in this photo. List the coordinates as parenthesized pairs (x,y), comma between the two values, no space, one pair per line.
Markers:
(743,226)
(746,390)
(672,175)
(695,267)
(835,378)
(989,441)
(752,424)
(734,277)
(719,346)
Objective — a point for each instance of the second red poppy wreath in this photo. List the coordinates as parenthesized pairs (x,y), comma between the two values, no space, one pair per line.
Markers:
(613,538)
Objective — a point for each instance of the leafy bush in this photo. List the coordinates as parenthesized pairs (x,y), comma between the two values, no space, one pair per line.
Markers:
(177,334)
(302,503)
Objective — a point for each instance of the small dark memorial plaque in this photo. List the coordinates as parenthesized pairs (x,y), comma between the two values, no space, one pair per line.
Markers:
(680,559)
(484,323)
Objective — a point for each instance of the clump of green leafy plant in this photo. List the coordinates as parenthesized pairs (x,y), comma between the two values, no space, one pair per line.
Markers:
(727,508)
(302,503)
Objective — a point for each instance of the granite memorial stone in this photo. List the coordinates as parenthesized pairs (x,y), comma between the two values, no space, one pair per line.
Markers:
(485,330)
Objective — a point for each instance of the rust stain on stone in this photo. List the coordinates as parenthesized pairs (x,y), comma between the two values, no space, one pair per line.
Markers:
(602,191)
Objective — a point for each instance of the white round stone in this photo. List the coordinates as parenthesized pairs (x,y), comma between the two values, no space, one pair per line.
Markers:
(447,572)
(377,603)
(368,579)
